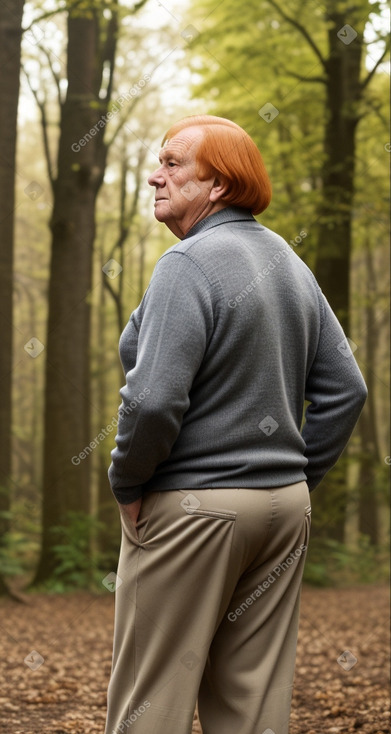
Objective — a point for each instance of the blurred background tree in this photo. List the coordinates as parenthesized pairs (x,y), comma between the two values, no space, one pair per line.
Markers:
(309,85)
(10,54)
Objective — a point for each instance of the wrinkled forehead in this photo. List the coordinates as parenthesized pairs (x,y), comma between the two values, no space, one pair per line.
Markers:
(183,145)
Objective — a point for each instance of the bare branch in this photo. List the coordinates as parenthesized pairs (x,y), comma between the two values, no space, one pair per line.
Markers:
(303,32)
(369,76)
(117,301)
(377,110)
(107,53)
(67,7)
(138,6)
(54,74)
(125,118)
(44,124)
(122,122)
(301,78)
(375,40)
(126,219)
(141,160)
(44,16)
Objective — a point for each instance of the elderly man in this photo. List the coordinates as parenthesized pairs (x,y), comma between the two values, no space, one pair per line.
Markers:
(212,468)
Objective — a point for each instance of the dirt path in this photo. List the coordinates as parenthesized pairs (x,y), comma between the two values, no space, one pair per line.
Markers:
(73,634)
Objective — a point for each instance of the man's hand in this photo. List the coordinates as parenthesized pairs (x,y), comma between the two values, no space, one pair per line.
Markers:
(131,511)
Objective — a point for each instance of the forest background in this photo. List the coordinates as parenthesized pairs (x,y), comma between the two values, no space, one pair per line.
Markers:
(87,90)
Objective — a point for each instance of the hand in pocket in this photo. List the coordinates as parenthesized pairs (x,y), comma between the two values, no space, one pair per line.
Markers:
(132,511)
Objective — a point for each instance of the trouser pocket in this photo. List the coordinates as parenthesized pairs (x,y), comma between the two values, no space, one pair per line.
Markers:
(137,533)
(217,514)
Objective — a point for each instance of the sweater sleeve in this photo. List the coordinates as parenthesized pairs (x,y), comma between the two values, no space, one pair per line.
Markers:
(336,392)
(175,321)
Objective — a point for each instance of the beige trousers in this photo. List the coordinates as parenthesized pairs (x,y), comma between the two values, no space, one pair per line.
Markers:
(207,608)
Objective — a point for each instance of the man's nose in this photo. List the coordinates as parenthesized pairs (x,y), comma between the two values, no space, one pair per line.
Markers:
(156,178)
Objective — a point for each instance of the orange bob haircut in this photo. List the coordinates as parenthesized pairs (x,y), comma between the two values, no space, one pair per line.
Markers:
(226,150)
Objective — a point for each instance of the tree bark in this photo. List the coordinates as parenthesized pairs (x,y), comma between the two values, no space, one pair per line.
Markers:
(370,453)
(107,509)
(108,516)
(334,242)
(80,168)
(343,94)
(10,51)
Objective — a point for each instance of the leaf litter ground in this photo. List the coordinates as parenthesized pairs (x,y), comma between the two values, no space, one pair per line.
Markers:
(66,693)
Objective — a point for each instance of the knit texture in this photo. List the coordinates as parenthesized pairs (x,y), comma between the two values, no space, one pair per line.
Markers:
(231,337)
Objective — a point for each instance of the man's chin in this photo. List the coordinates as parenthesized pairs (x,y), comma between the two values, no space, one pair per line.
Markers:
(169,221)
(160,215)
(160,211)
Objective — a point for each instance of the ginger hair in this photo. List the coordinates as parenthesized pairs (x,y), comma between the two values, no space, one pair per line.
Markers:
(228,152)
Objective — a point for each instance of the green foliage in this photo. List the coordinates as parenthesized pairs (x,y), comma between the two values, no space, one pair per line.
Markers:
(13,550)
(78,566)
(19,545)
(330,563)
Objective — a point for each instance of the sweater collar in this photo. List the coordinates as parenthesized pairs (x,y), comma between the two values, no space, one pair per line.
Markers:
(223,216)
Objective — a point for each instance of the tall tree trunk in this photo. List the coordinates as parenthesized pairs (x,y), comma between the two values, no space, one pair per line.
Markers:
(10,43)
(343,92)
(67,395)
(369,453)
(109,531)
(107,510)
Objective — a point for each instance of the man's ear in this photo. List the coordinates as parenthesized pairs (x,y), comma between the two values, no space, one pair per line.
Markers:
(219,188)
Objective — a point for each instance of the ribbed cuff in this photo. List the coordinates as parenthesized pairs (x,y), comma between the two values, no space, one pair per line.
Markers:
(127,495)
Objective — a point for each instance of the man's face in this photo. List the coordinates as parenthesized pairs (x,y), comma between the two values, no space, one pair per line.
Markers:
(181,199)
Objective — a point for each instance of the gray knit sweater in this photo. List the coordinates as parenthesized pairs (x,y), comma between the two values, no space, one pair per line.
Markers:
(231,337)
